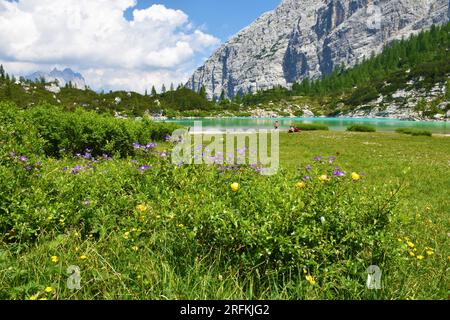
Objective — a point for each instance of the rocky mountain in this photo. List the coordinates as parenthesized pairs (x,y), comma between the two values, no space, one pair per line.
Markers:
(62,77)
(308,38)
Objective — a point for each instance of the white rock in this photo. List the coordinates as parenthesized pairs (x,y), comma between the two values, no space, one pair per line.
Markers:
(308,113)
(53,88)
(443,105)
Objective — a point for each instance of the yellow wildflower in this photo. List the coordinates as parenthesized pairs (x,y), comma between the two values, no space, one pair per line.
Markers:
(43,298)
(83,257)
(141,208)
(355,176)
(430,253)
(410,244)
(311,279)
(135,248)
(300,185)
(323,178)
(235,187)
(412,254)
(126,235)
(54,259)
(48,289)
(33,297)
(420,257)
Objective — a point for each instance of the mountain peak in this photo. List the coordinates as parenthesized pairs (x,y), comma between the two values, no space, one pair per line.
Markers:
(308,38)
(62,77)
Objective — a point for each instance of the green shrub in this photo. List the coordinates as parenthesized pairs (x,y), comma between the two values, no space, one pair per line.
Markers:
(74,132)
(311,127)
(299,113)
(414,132)
(361,128)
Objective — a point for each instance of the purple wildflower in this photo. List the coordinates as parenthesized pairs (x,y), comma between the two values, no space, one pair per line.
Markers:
(38,163)
(76,169)
(29,168)
(136,145)
(87,156)
(338,173)
(317,158)
(12,154)
(163,154)
(306,178)
(65,169)
(168,138)
(332,159)
(144,167)
(23,158)
(308,168)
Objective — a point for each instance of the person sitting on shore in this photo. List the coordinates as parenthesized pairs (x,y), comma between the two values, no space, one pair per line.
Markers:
(293,129)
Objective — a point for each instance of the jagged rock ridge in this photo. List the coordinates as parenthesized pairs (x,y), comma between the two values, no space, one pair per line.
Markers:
(308,38)
(61,77)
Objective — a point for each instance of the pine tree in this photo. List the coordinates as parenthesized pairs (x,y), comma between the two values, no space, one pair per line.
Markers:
(171,87)
(153,91)
(146,93)
(202,92)
(447,90)
(2,72)
(8,92)
(163,88)
(222,96)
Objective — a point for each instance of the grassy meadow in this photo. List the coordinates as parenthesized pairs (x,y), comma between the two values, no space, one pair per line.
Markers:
(139,227)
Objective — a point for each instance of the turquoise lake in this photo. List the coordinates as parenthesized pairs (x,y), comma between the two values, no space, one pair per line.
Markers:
(335,124)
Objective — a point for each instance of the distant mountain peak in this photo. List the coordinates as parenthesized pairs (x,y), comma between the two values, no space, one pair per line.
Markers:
(62,77)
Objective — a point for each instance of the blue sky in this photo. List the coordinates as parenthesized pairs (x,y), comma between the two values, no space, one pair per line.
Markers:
(220,18)
(117,45)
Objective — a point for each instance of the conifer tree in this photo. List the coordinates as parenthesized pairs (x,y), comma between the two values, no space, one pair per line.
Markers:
(202,92)
(2,72)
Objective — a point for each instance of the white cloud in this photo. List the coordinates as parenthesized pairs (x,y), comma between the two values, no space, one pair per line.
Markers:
(159,45)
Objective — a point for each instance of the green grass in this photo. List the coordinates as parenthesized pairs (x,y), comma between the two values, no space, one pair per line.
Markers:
(161,257)
(361,128)
(311,127)
(414,132)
